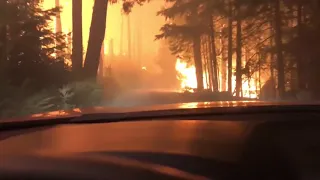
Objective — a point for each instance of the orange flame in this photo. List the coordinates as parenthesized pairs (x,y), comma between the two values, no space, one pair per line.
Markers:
(187,77)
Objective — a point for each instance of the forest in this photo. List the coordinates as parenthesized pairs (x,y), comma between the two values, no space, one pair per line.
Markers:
(270,40)
(269,44)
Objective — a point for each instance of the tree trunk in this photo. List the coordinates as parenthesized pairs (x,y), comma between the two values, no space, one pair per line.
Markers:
(198,62)
(279,49)
(230,48)
(209,61)
(224,62)
(214,57)
(206,59)
(58,18)
(239,57)
(77,47)
(96,37)
(272,73)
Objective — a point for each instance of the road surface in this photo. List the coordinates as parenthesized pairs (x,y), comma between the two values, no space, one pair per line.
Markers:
(146,97)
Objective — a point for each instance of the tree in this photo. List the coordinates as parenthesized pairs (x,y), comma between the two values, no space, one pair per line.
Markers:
(279,49)
(230,50)
(188,35)
(239,50)
(96,38)
(196,27)
(276,40)
(97,33)
(31,48)
(77,47)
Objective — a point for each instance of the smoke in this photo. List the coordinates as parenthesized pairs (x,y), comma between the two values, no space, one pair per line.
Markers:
(138,62)
(146,97)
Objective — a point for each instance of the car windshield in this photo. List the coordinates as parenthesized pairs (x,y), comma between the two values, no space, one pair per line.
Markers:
(69,54)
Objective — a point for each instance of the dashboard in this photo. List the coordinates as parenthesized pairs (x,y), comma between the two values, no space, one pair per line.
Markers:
(284,147)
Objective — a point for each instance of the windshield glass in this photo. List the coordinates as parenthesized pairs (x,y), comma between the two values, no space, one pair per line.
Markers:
(73,54)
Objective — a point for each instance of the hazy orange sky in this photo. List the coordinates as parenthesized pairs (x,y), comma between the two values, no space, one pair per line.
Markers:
(144,16)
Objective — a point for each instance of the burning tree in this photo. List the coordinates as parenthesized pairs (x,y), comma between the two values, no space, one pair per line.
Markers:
(263,40)
(194,35)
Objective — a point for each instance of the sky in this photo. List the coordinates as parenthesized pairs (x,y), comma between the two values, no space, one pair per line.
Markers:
(141,16)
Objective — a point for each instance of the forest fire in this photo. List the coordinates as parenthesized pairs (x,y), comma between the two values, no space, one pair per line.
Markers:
(186,74)
(249,89)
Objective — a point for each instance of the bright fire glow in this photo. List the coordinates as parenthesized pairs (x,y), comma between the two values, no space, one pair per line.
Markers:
(186,72)
(188,80)
(186,75)
(249,89)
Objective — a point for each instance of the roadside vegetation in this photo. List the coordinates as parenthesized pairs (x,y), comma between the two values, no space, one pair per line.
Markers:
(269,44)
(35,71)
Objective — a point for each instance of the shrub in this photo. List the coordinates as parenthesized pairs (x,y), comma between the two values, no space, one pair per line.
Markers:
(17,101)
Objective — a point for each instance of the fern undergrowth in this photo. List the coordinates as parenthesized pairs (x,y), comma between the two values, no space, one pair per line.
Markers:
(15,102)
